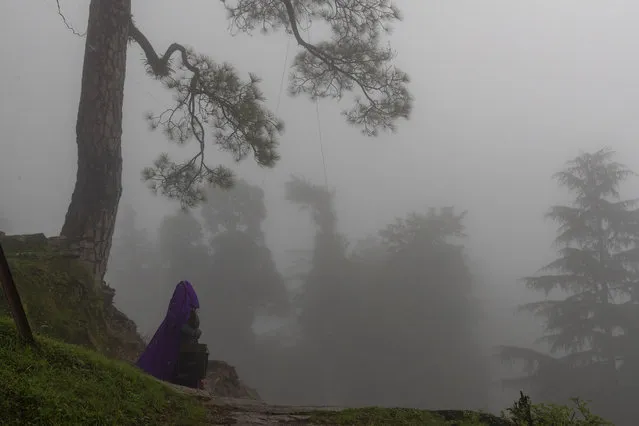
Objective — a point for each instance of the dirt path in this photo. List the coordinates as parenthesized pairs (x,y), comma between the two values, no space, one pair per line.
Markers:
(227,411)
(234,411)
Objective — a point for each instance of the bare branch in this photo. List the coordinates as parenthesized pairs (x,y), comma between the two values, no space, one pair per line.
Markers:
(66,23)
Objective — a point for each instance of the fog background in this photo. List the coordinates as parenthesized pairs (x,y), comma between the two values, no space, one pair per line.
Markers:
(505,94)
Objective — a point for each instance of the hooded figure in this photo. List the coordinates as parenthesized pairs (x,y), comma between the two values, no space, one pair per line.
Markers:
(160,357)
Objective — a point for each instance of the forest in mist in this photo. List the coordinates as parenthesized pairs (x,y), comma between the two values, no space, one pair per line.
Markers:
(396,318)
(487,245)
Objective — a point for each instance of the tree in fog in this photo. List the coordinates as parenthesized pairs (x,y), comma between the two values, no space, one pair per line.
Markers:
(325,301)
(243,280)
(382,323)
(208,93)
(184,254)
(591,326)
(328,261)
(421,307)
(134,269)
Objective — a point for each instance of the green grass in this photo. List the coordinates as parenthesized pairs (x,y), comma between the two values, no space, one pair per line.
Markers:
(61,299)
(375,416)
(59,384)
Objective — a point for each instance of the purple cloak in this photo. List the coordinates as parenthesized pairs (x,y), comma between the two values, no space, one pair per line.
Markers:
(161,354)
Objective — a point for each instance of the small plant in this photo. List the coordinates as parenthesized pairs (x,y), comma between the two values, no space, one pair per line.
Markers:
(525,413)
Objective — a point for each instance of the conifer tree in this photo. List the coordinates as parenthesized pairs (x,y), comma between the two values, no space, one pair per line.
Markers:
(589,324)
(214,104)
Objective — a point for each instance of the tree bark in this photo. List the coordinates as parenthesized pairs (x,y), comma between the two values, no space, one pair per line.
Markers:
(90,219)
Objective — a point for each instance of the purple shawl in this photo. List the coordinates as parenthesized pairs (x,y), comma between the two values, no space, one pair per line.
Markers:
(161,354)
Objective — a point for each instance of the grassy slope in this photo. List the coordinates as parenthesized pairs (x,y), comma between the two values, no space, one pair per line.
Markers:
(62,302)
(65,384)
(374,416)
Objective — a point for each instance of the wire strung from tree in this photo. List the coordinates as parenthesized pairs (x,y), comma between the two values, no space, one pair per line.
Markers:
(319,133)
(283,77)
(319,125)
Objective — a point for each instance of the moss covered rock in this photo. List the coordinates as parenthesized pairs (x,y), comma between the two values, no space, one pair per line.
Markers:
(63,301)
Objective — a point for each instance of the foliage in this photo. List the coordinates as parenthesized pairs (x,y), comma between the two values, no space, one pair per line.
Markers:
(57,383)
(240,209)
(375,416)
(327,301)
(422,293)
(234,219)
(326,275)
(207,93)
(63,384)
(182,248)
(435,226)
(524,413)
(223,252)
(245,281)
(591,328)
(408,288)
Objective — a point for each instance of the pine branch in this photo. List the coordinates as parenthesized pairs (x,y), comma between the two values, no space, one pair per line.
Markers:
(353,59)
(210,94)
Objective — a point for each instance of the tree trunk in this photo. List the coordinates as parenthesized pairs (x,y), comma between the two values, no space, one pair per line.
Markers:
(90,219)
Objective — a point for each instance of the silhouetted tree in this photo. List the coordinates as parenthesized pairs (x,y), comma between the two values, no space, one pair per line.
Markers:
(592,327)
(421,307)
(213,94)
(240,209)
(183,252)
(243,278)
(382,324)
(325,301)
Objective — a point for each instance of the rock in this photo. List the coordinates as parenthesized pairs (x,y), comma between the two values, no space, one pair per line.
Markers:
(222,381)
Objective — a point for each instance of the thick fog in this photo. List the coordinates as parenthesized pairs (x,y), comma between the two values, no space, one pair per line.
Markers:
(505,93)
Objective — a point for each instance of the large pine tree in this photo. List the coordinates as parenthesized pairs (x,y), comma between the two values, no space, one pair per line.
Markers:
(214,104)
(588,326)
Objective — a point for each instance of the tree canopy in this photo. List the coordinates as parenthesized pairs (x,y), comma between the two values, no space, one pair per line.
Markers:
(591,326)
(214,104)
(354,58)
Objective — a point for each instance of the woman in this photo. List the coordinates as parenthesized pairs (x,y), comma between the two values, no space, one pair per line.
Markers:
(160,357)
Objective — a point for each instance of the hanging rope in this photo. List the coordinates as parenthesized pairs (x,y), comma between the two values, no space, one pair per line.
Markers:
(279,94)
(319,134)
(319,124)
(317,111)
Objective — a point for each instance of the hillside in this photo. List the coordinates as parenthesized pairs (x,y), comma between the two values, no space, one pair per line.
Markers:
(79,373)
(63,302)
(64,384)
